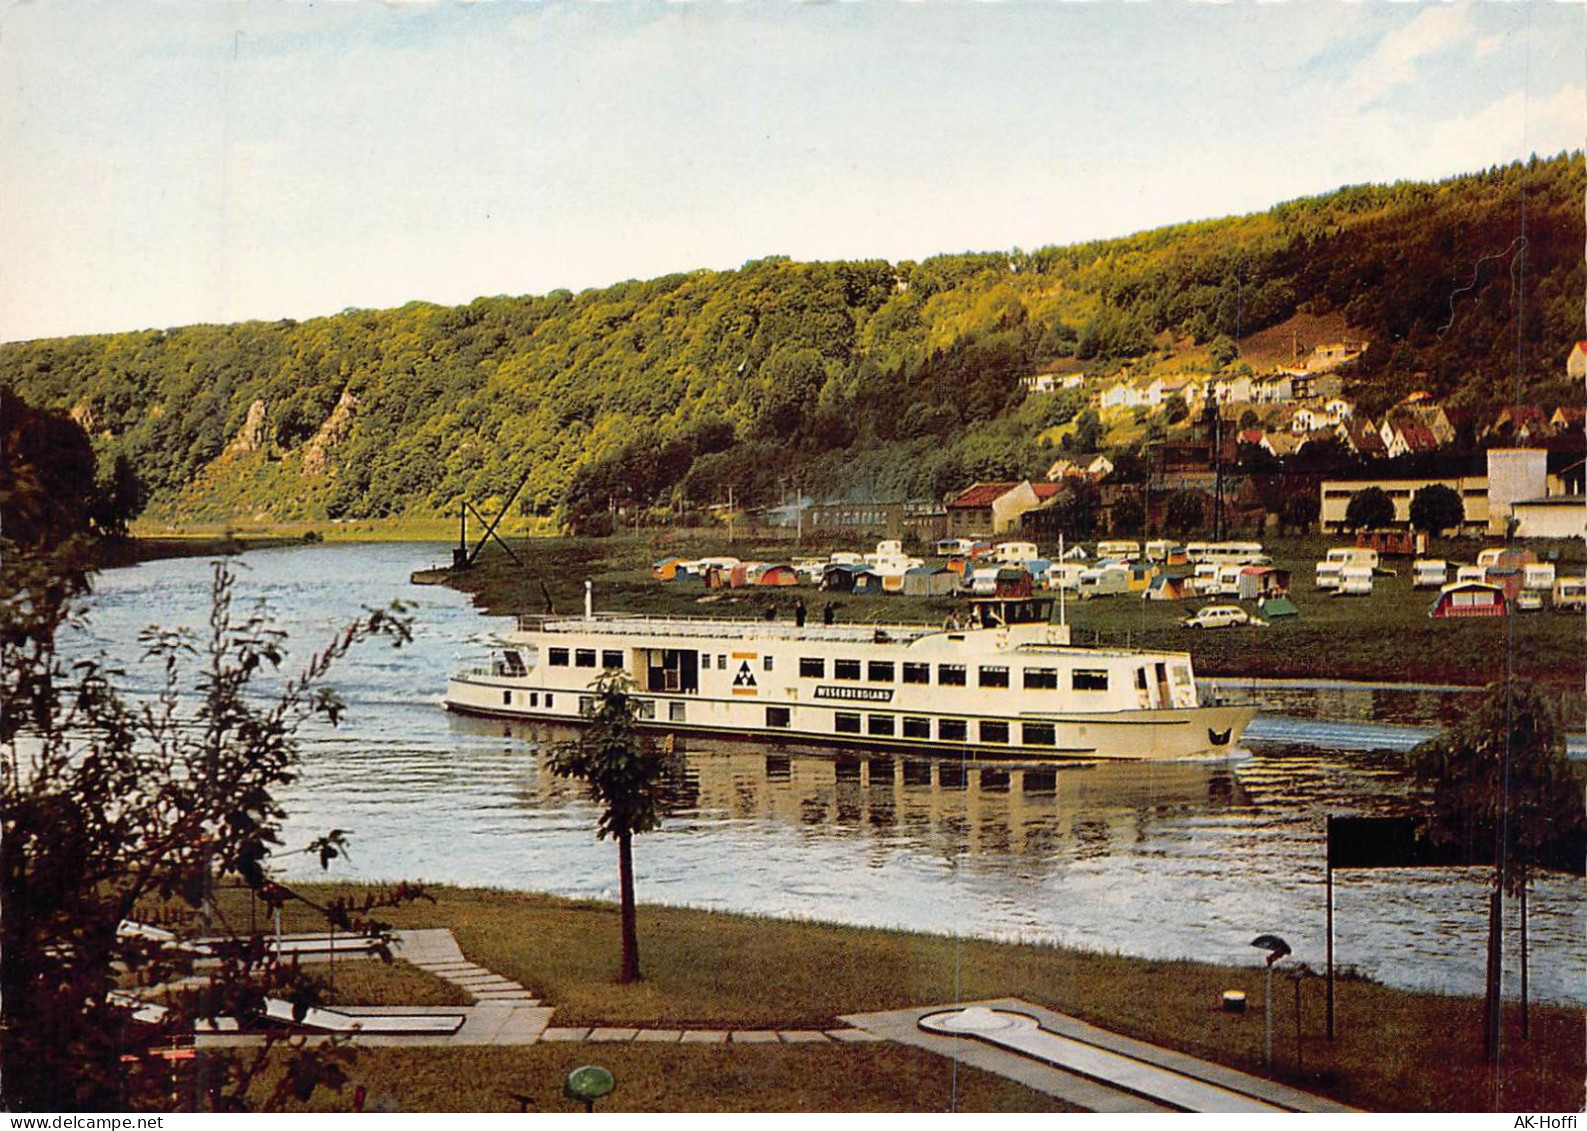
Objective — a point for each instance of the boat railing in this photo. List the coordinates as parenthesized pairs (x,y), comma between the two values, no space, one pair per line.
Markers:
(622,624)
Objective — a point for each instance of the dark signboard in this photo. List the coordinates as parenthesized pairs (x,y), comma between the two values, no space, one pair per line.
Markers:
(1393,842)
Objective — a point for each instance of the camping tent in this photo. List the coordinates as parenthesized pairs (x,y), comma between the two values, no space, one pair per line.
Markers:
(929,581)
(1469,599)
(1257,582)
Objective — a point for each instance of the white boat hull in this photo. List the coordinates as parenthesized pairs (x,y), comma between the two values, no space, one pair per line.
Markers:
(1153,735)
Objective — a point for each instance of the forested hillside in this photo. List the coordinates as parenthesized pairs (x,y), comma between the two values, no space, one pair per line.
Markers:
(847,378)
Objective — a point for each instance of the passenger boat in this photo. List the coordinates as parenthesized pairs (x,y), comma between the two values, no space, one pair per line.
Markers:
(1006,682)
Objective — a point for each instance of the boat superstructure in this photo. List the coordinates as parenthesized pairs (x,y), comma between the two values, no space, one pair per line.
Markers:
(1006,681)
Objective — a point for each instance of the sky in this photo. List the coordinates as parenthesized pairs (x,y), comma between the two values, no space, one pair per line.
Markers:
(165,162)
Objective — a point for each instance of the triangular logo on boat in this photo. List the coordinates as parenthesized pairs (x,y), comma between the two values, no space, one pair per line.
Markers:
(745,676)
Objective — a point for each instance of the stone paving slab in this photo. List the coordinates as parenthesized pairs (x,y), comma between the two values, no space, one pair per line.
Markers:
(432,944)
(612,1033)
(853,1036)
(659,1036)
(704,1037)
(753,1037)
(564,1034)
(802,1037)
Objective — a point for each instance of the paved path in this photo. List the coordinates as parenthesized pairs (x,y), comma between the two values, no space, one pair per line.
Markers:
(1046,1051)
(1095,1069)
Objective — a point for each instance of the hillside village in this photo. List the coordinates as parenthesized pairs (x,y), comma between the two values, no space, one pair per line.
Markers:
(1243,451)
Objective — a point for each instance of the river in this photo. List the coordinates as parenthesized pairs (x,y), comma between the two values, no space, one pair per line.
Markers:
(1157,860)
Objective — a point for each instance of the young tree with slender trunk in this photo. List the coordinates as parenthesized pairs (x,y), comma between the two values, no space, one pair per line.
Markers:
(1499,780)
(625,775)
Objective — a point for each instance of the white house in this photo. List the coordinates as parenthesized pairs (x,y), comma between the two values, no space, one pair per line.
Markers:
(1308,420)
(1117,395)
(1276,388)
(1338,409)
(1233,390)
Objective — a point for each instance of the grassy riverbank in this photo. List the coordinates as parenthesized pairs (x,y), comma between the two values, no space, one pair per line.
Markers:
(1394,1050)
(1386,637)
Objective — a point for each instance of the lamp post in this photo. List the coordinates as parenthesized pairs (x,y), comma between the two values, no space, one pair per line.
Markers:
(1276,948)
(588,1083)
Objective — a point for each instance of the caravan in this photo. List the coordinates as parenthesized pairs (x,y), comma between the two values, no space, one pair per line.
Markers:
(1429,573)
(1355,581)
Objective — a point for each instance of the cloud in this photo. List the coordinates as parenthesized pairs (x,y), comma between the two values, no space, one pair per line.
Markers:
(1439,27)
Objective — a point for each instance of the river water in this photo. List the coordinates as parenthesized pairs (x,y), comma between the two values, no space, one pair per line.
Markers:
(1157,860)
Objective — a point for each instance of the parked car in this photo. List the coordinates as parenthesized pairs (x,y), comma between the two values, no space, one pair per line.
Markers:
(1221,616)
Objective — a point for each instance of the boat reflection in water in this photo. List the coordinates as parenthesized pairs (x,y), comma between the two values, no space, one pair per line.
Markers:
(1029,809)
(1180,859)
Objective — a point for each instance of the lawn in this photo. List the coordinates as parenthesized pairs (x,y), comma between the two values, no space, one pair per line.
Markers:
(1394,1049)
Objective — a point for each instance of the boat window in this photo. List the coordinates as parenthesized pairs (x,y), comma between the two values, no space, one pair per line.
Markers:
(916,727)
(721,661)
(1140,679)
(506,698)
(1041,679)
(992,677)
(765,663)
(1089,679)
(646,708)
(585,703)
(1039,734)
(917,673)
(584,657)
(951,675)
(845,723)
(812,667)
(881,724)
(952,730)
(994,731)
(557,657)
(611,658)
(779,717)
(549,700)
(675,712)
(534,699)
(879,671)
(845,669)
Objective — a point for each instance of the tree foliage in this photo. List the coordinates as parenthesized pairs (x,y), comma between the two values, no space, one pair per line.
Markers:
(1502,772)
(109,805)
(819,366)
(1436,508)
(1369,509)
(1185,511)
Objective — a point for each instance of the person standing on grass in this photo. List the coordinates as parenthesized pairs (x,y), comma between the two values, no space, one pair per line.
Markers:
(799,612)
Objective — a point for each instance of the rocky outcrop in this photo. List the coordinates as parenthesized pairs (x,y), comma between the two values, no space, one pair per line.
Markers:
(333,433)
(250,437)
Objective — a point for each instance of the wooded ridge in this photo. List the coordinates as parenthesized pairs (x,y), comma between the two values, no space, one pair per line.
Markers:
(845,378)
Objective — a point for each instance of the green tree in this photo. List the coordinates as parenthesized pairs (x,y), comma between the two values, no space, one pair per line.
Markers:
(1088,433)
(1300,511)
(624,774)
(1369,509)
(1222,351)
(1436,508)
(1127,515)
(1185,511)
(106,805)
(1499,780)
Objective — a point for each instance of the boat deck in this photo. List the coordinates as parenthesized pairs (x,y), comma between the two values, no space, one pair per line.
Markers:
(622,624)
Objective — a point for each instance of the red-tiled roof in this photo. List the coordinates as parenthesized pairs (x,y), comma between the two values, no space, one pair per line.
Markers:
(981,494)
(1417,436)
(1046,490)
